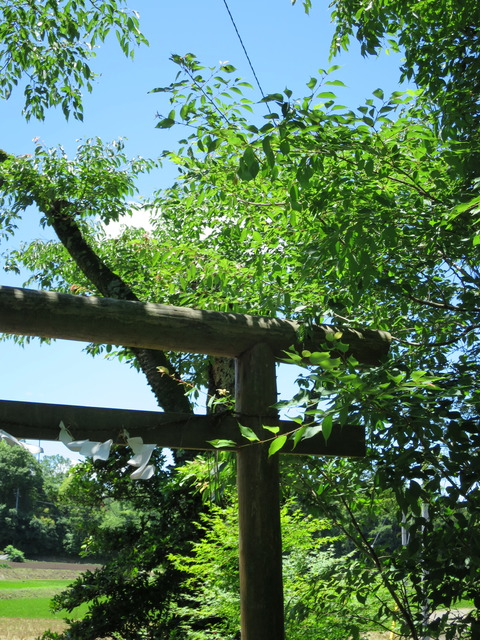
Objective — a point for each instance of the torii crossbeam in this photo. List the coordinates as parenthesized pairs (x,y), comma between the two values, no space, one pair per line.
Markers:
(256,343)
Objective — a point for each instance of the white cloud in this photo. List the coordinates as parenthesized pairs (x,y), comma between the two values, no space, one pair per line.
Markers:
(140,219)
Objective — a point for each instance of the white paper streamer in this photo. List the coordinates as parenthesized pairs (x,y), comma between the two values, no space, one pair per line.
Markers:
(95,450)
(12,441)
(141,457)
(101,450)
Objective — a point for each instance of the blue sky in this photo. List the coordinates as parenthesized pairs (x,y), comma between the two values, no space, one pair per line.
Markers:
(286,47)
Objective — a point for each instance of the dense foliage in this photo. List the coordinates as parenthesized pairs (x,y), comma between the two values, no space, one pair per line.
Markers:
(302,207)
(316,554)
(31,519)
(140,524)
(439,40)
(46,48)
(211,582)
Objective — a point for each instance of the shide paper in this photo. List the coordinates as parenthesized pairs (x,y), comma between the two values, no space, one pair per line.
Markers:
(95,450)
(6,437)
(101,450)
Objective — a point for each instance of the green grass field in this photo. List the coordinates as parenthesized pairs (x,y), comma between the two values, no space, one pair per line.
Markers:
(36,608)
(25,604)
(6,585)
(31,599)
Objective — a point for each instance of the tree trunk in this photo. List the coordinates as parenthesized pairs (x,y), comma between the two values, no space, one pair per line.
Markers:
(170,394)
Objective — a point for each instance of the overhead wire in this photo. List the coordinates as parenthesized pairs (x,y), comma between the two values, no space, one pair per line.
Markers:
(245,51)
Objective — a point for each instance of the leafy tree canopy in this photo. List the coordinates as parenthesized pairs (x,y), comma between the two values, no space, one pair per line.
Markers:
(55,469)
(316,211)
(21,478)
(135,525)
(47,46)
(439,40)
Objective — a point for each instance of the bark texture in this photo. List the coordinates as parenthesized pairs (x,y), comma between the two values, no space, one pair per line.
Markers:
(170,394)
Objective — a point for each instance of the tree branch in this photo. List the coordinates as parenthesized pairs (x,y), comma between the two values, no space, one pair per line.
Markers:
(170,394)
(440,343)
(444,305)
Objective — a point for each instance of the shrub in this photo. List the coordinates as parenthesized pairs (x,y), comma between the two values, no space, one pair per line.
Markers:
(14,555)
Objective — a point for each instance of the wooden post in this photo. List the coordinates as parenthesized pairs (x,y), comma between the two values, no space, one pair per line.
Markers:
(260,543)
(255,342)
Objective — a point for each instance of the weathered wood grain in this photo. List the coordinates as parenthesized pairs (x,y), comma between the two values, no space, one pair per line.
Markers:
(40,421)
(164,327)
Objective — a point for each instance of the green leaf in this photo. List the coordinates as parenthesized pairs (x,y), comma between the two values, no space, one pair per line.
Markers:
(310,432)
(166,123)
(326,94)
(336,83)
(418,375)
(267,149)
(327,426)
(272,97)
(221,444)
(293,358)
(332,337)
(294,198)
(461,208)
(272,429)
(248,165)
(324,359)
(368,168)
(248,433)
(276,445)
(185,110)
(298,435)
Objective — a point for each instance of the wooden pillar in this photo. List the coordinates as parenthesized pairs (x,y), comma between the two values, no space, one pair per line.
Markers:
(260,544)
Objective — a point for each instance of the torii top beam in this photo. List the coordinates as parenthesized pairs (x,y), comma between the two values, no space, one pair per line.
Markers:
(165,327)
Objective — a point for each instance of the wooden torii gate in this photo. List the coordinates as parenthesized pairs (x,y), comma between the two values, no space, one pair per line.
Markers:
(255,343)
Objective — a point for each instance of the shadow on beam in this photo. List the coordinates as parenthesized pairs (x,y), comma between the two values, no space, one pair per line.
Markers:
(164,327)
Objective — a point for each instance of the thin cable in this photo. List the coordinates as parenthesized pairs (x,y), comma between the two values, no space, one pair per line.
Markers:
(245,51)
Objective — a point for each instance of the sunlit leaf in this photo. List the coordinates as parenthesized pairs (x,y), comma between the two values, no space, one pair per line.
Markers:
(276,445)
(248,433)
(221,444)
(271,429)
